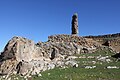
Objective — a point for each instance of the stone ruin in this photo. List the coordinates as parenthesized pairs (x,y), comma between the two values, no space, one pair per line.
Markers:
(75,24)
(110,40)
(22,56)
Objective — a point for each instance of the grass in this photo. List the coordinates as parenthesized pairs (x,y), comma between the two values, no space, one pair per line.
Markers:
(80,73)
(100,72)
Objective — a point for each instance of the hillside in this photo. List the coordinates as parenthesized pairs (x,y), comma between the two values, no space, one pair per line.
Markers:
(60,56)
(67,57)
(111,40)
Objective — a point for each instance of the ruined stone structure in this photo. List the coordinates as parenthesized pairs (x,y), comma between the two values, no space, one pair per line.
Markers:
(110,40)
(22,56)
(75,24)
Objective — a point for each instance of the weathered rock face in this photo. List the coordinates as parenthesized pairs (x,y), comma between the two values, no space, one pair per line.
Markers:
(20,49)
(75,24)
(24,57)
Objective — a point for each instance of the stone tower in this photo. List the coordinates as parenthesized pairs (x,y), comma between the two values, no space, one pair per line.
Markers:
(75,24)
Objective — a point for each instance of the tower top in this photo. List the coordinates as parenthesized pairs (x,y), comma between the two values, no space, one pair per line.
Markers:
(75,14)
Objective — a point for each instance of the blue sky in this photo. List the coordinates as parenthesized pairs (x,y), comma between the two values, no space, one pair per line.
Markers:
(37,19)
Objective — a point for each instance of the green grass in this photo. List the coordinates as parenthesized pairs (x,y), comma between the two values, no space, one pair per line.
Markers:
(101,72)
(80,73)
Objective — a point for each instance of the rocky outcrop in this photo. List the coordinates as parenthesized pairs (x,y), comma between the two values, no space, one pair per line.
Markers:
(20,49)
(23,56)
(110,40)
(75,24)
(16,55)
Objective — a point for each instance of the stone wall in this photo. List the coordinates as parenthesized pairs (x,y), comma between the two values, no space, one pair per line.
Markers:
(67,38)
(73,39)
(104,36)
(112,40)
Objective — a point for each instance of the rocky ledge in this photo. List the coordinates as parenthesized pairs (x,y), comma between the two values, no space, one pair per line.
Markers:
(22,56)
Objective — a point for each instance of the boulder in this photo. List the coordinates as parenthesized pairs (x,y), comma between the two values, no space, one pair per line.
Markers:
(72,63)
(20,49)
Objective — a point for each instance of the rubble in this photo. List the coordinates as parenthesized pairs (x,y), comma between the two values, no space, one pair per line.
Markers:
(22,56)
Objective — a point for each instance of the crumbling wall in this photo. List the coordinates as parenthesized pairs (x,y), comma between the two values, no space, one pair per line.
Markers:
(110,40)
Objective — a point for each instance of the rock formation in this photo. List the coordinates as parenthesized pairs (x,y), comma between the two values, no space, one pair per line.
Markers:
(24,57)
(75,24)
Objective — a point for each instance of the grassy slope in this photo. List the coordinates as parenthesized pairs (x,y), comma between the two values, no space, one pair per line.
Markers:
(80,73)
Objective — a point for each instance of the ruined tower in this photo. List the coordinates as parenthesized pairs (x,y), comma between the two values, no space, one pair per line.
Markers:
(75,24)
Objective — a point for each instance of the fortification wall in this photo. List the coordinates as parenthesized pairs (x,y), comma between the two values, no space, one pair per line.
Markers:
(104,36)
(65,38)
(73,39)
